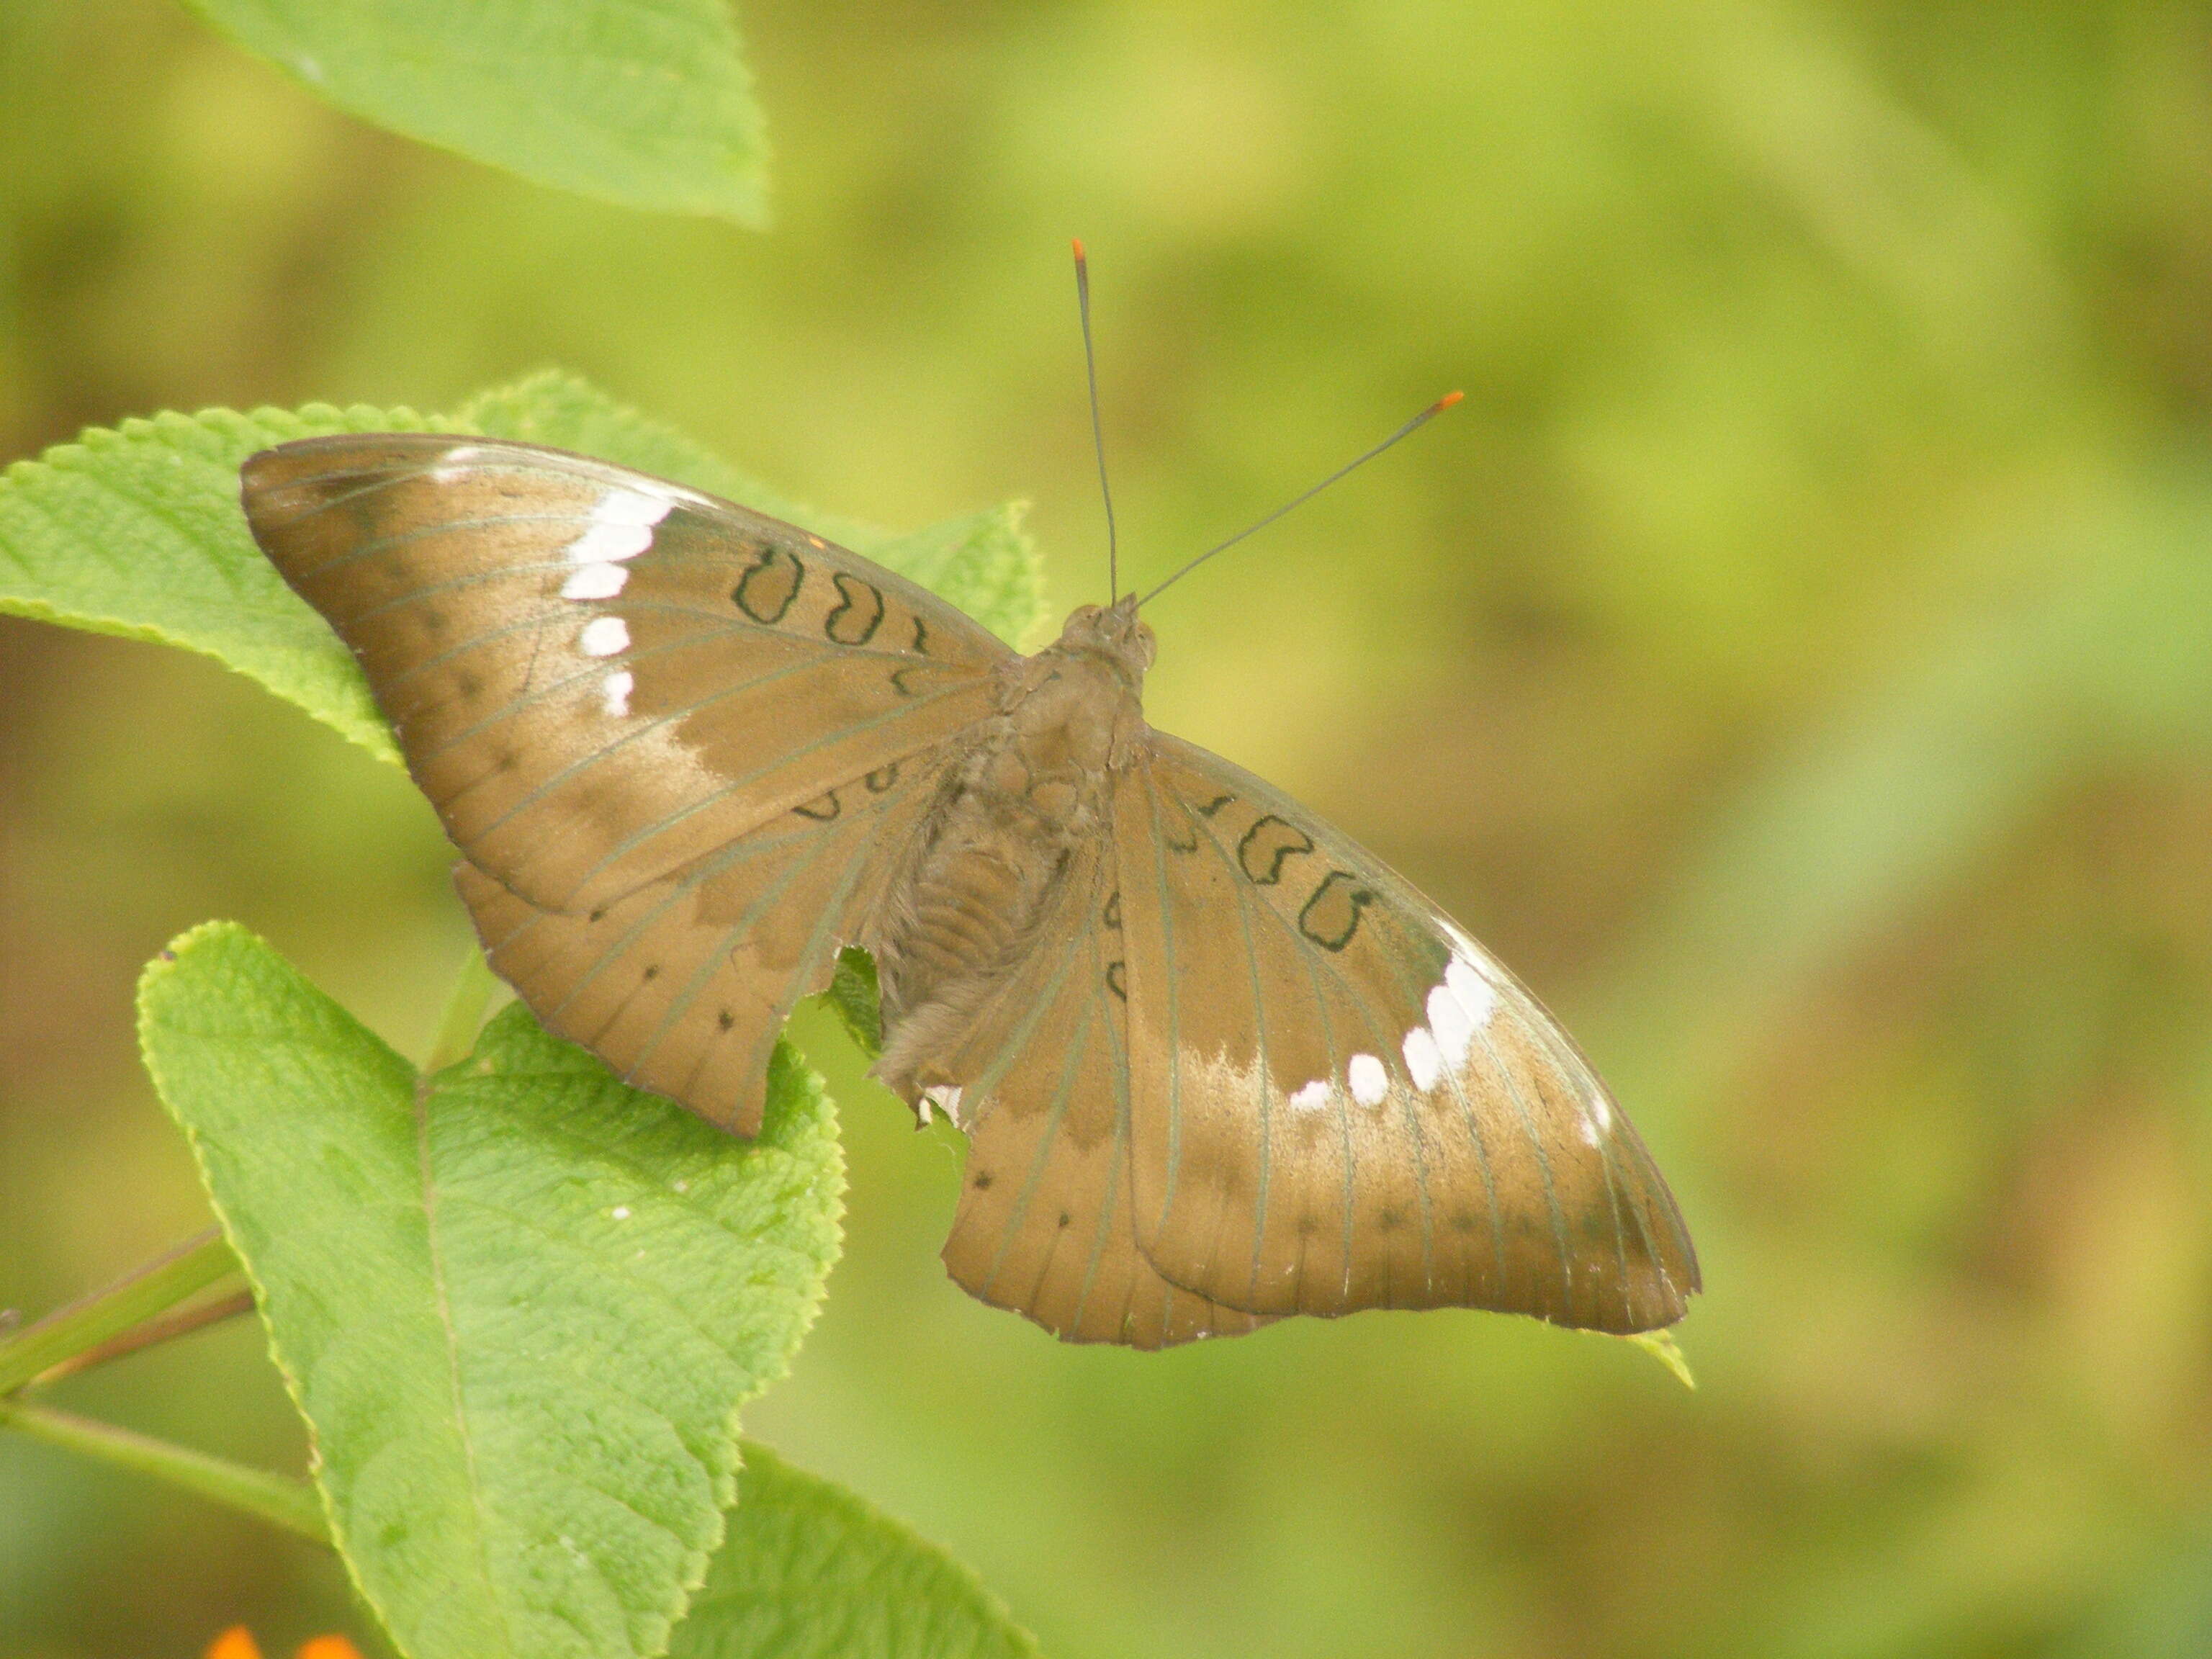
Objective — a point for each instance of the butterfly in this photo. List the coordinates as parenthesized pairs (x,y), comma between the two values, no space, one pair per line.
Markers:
(1216,1063)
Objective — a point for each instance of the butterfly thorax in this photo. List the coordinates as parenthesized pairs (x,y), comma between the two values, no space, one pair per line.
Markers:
(987,867)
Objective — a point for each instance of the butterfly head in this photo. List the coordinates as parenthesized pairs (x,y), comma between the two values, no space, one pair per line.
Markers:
(1112,631)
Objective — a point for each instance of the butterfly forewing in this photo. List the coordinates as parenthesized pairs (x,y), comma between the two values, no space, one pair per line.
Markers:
(1045,1225)
(1338,1100)
(598,678)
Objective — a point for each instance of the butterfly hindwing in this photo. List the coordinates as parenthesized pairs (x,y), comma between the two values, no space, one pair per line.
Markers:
(684,985)
(600,677)
(1045,1225)
(1338,1100)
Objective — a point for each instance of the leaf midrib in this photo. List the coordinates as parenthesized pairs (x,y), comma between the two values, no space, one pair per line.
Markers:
(422,1090)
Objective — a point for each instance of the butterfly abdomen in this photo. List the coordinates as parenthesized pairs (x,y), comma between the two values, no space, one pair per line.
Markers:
(987,870)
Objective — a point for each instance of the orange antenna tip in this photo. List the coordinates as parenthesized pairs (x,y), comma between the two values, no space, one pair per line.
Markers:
(1436,408)
(1078,242)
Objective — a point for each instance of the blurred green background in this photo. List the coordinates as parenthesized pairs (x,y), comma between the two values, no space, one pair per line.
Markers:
(1794,658)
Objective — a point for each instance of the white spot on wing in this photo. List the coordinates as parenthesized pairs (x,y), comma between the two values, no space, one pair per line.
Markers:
(610,541)
(1423,1063)
(1453,1028)
(1597,1121)
(1476,994)
(455,462)
(1369,1082)
(604,637)
(614,692)
(946,1098)
(1313,1097)
(594,581)
(632,507)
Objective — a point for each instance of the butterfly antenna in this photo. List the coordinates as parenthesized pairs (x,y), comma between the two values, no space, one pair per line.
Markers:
(1421,419)
(1097,433)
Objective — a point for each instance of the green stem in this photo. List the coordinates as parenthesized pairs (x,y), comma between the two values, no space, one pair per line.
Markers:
(277,1499)
(194,1265)
(165,1327)
(464,1015)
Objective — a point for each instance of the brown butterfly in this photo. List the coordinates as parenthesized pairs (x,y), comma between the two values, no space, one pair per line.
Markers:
(1217,1063)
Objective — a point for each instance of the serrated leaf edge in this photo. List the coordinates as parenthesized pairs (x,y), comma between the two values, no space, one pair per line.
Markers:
(724,1483)
(161,967)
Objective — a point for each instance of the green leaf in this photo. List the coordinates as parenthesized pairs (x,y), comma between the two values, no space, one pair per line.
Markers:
(983,563)
(808,1571)
(137,531)
(805,1568)
(855,999)
(557,408)
(1663,1348)
(643,102)
(518,1304)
